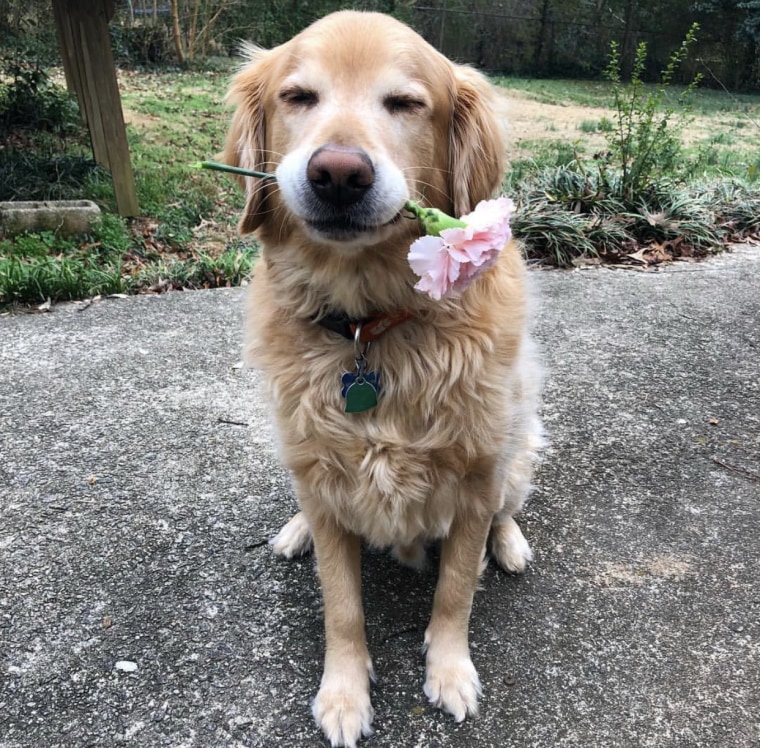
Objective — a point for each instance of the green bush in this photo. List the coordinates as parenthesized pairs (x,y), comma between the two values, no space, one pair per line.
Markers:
(142,44)
(633,194)
(29,100)
(644,142)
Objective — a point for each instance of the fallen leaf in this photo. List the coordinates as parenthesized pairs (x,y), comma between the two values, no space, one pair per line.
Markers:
(638,256)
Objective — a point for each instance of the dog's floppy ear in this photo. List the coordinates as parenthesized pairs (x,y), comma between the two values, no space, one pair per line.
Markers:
(246,141)
(476,141)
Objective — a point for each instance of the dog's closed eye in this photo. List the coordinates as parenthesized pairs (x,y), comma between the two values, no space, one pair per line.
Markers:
(403,103)
(298,97)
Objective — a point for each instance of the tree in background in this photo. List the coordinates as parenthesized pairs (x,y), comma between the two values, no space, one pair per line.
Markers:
(194,25)
(521,37)
(731,30)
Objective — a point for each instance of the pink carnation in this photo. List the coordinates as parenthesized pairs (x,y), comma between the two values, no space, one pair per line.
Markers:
(450,262)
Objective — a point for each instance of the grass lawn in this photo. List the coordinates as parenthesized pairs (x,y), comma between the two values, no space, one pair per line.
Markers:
(186,236)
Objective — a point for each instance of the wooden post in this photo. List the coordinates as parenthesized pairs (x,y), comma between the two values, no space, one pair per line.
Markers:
(82,30)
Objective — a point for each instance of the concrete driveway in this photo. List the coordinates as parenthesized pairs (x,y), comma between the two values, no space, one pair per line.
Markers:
(140,603)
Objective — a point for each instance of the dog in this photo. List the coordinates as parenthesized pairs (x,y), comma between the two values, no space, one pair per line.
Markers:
(356,115)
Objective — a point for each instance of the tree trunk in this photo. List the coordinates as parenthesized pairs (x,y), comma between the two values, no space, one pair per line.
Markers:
(541,37)
(192,36)
(177,33)
(629,43)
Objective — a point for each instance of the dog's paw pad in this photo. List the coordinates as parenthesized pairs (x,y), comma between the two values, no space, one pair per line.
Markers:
(294,539)
(453,685)
(344,714)
(509,546)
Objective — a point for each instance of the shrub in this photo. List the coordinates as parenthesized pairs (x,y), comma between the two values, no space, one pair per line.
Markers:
(31,101)
(644,143)
(632,194)
(146,44)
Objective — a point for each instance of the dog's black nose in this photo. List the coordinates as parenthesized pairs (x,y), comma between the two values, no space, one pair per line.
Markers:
(340,175)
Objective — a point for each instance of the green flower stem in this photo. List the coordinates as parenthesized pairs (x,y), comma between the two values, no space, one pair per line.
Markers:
(432,220)
(216,166)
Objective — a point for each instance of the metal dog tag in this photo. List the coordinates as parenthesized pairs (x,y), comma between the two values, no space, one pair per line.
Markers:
(360,390)
(360,396)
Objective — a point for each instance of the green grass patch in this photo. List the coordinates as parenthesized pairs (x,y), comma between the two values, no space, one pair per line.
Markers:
(588,125)
(38,267)
(598,94)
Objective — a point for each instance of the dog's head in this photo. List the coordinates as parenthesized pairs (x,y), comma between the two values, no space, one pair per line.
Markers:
(356,115)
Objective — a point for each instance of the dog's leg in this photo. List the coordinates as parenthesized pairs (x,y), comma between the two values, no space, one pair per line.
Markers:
(451,680)
(506,543)
(294,539)
(342,706)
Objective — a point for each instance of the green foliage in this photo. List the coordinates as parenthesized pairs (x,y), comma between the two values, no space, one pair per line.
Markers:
(183,238)
(737,205)
(229,268)
(566,214)
(110,235)
(559,91)
(43,173)
(36,267)
(29,100)
(645,144)
(588,125)
(142,44)
(605,125)
(39,122)
(631,198)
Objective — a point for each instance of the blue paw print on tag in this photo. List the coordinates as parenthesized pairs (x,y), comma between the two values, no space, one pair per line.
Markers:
(371,377)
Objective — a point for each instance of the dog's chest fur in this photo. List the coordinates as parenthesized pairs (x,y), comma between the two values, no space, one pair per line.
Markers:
(391,474)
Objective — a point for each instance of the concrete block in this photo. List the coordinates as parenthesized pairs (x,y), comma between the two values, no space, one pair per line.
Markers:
(66,217)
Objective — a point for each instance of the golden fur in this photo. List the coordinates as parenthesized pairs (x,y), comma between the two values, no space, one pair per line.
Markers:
(447,452)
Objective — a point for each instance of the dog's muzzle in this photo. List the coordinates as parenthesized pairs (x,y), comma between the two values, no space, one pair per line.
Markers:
(342,183)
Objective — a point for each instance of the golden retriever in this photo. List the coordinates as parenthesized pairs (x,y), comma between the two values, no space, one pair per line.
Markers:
(356,115)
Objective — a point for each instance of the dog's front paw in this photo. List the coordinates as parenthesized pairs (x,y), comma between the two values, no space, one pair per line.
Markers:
(344,712)
(509,546)
(452,684)
(294,539)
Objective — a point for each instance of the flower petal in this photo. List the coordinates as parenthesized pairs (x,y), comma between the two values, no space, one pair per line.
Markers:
(430,259)
(451,261)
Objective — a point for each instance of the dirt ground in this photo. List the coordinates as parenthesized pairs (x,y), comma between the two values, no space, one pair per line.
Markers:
(533,120)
